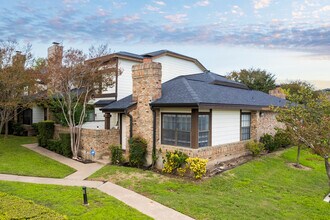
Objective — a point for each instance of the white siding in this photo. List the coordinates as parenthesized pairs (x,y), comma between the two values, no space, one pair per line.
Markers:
(99,115)
(225,126)
(173,67)
(123,134)
(125,79)
(37,114)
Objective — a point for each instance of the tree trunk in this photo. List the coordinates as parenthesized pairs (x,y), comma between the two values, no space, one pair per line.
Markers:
(327,167)
(298,157)
(1,127)
(6,129)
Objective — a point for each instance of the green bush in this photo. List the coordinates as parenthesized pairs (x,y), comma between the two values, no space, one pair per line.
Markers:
(18,130)
(65,139)
(174,162)
(54,145)
(268,141)
(255,147)
(46,132)
(137,151)
(35,128)
(282,139)
(116,154)
(61,146)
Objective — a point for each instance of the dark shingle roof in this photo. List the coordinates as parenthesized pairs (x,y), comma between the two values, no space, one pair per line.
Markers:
(120,105)
(208,89)
(104,102)
(127,54)
(212,89)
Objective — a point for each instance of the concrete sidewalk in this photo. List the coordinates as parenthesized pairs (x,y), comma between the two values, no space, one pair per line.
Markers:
(131,198)
(51,181)
(82,170)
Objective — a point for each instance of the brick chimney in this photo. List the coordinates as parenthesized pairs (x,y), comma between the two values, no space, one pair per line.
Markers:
(277,92)
(146,88)
(55,53)
(19,60)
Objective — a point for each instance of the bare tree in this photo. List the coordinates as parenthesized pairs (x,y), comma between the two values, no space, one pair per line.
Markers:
(72,81)
(17,80)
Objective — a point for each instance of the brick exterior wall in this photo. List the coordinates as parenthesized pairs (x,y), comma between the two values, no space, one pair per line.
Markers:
(99,140)
(264,123)
(215,154)
(146,88)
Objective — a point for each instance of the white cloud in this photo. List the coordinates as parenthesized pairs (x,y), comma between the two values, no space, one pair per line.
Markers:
(325,8)
(152,8)
(131,18)
(176,18)
(160,3)
(237,10)
(259,4)
(202,3)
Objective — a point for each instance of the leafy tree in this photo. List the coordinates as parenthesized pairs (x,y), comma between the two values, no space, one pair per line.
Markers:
(307,121)
(71,82)
(17,80)
(255,79)
(293,87)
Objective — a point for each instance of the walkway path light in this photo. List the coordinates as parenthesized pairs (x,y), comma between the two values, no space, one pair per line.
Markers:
(85,195)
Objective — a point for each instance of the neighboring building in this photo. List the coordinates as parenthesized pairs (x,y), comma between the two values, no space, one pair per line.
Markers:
(120,64)
(204,114)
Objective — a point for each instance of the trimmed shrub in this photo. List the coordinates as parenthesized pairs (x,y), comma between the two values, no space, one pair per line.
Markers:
(268,141)
(46,132)
(65,140)
(175,162)
(35,128)
(197,166)
(61,146)
(137,151)
(54,145)
(255,147)
(18,129)
(116,154)
(282,139)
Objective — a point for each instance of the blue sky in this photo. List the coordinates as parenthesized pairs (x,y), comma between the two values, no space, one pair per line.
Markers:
(288,38)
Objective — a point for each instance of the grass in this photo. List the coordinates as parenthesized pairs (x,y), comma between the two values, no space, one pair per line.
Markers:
(19,160)
(265,188)
(67,201)
(12,207)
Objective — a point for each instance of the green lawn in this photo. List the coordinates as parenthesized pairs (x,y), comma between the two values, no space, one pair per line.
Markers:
(265,188)
(67,201)
(12,207)
(19,160)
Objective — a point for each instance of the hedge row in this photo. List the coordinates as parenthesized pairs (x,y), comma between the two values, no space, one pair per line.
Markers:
(45,135)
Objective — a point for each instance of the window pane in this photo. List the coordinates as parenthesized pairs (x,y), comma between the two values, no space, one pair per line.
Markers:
(176,129)
(203,130)
(246,126)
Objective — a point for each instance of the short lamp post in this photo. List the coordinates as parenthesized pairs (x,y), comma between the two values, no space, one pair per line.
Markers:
(85,195)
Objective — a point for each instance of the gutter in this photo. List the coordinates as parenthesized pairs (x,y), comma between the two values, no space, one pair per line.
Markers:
(153,136)
(130,123)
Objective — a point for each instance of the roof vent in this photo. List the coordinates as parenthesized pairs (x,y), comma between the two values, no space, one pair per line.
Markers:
(56,43)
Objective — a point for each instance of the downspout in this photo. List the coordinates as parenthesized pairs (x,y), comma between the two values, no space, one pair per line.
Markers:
(130,123)
(153,136)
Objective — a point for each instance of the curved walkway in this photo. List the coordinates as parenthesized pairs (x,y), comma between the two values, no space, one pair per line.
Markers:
(131,198)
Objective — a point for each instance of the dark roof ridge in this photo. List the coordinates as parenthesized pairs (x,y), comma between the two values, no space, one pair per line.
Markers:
(191,90)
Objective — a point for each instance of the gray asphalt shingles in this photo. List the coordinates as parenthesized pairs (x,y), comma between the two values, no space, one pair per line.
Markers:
(198,89)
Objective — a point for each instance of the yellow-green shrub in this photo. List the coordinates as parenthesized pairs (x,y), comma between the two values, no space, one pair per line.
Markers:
(197,166)
(174,161)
